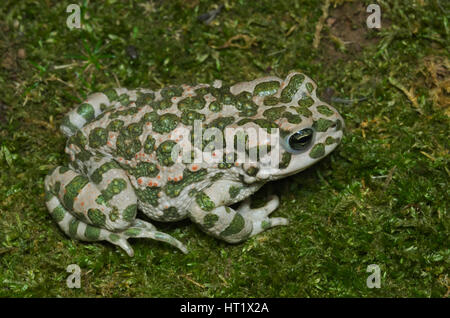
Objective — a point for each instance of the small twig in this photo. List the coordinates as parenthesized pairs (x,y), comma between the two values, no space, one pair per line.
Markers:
(248,42)
(348,101)
(379,177)
(409,93)
(193,281)
(389,177)
(7,249)
(42,123)
(117,80)
(319,25)
(54,78)
(58,67)
(428,156)
(276,52)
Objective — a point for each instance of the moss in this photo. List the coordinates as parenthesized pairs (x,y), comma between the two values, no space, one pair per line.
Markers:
(380,198)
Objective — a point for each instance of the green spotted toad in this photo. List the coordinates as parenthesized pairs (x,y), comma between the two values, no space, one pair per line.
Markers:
(124,156)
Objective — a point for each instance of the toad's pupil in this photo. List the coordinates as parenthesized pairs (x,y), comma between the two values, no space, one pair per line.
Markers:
(301,139)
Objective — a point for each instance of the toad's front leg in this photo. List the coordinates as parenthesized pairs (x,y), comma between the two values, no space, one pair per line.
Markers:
(211,212)
(100,206)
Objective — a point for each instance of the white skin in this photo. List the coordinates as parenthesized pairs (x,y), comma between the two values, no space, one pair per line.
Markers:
(118,149)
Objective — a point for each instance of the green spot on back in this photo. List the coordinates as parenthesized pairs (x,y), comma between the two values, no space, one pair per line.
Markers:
(322,125)
(171,91)
(305,103)
(188,117)
(292,118)
(221,122)
(97,175)
(127,146)
(145,169)
(215,107)
(164,152)
(325,110)
(274,113)
(86,111)
(266,88)
(148,195)
(173,189)
(149,144)
(98,137)
(166,123)
(111,94)
(291,89)
(193,103)
(144,99)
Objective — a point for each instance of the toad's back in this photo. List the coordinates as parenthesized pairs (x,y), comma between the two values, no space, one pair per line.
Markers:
(121,141)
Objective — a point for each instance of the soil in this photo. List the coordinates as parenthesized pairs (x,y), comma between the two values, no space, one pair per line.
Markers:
(348,24)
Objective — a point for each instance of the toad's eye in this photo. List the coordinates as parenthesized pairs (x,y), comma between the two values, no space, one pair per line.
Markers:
(300,140)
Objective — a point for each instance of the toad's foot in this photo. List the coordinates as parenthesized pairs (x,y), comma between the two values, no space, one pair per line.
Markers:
(146,230)
(260,216)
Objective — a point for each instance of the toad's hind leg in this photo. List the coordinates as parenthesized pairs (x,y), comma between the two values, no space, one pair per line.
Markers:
(211,212)
(100,208)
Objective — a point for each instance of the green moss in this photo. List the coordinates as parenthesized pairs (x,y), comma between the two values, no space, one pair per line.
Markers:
(377,199)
